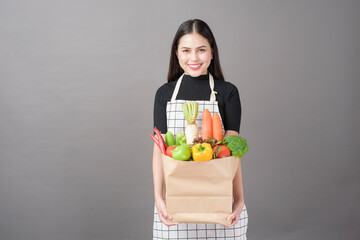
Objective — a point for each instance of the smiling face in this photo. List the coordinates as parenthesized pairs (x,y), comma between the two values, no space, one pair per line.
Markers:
(194,54)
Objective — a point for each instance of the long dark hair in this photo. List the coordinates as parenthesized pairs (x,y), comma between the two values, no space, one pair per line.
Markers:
(191,26)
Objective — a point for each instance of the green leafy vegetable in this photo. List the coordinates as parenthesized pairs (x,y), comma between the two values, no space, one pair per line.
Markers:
(237,145)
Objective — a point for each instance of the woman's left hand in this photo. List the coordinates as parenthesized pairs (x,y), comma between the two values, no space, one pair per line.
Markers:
(235,215)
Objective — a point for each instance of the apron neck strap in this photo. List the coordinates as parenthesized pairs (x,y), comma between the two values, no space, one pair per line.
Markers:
(211,82)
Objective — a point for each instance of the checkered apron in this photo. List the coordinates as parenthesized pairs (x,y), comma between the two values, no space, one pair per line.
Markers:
(176,123)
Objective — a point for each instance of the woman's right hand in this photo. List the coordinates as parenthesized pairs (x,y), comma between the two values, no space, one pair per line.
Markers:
(164,216)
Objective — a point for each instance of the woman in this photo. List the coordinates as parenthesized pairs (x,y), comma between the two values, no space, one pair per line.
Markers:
(195,74)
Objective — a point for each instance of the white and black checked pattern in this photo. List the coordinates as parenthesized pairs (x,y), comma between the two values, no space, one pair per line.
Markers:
(204,231)
(176,123)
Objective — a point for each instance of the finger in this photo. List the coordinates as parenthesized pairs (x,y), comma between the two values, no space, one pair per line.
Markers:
(171,224)
(234,223)
(166,215)
(227,226)
(163,220)
(231,217)
(168,223)
(166,219)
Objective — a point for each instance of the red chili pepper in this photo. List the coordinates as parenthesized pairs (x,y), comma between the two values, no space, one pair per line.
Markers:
(155,140)
(161,140)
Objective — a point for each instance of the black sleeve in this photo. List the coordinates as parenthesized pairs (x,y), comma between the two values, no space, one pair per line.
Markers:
(160,111)
(232,109)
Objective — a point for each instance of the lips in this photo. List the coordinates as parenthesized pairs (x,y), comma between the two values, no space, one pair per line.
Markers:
(194,66)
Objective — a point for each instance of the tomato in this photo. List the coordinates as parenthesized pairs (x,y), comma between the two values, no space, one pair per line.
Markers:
(181,152)
(221,151)
(170,150)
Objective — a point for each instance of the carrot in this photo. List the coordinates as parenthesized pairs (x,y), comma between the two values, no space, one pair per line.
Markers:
(206,126)
(217,129)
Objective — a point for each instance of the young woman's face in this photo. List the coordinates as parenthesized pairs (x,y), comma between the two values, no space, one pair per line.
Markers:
(194,54)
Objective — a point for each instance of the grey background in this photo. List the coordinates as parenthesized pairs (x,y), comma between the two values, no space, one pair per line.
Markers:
(78,80)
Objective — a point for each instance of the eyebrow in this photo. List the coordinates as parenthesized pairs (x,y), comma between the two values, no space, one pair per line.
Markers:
(197,47)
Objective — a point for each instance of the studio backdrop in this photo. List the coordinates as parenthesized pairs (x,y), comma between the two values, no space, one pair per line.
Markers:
(77,87)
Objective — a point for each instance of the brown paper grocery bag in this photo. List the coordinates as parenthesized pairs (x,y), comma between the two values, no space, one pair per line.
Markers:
(199,192)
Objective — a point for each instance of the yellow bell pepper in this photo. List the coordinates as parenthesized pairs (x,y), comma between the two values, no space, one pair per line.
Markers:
(202,152)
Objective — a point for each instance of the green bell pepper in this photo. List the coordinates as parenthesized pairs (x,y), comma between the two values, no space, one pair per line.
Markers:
(180,139)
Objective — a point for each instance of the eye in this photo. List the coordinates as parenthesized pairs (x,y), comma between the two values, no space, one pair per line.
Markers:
(186,50)
(202,50)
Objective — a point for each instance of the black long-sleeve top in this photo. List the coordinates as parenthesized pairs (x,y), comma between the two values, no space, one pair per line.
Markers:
(198,88)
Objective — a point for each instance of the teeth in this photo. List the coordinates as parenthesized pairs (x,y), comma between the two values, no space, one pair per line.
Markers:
(194,66)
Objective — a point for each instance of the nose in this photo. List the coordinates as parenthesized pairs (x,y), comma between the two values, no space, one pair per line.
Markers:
(194,56)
